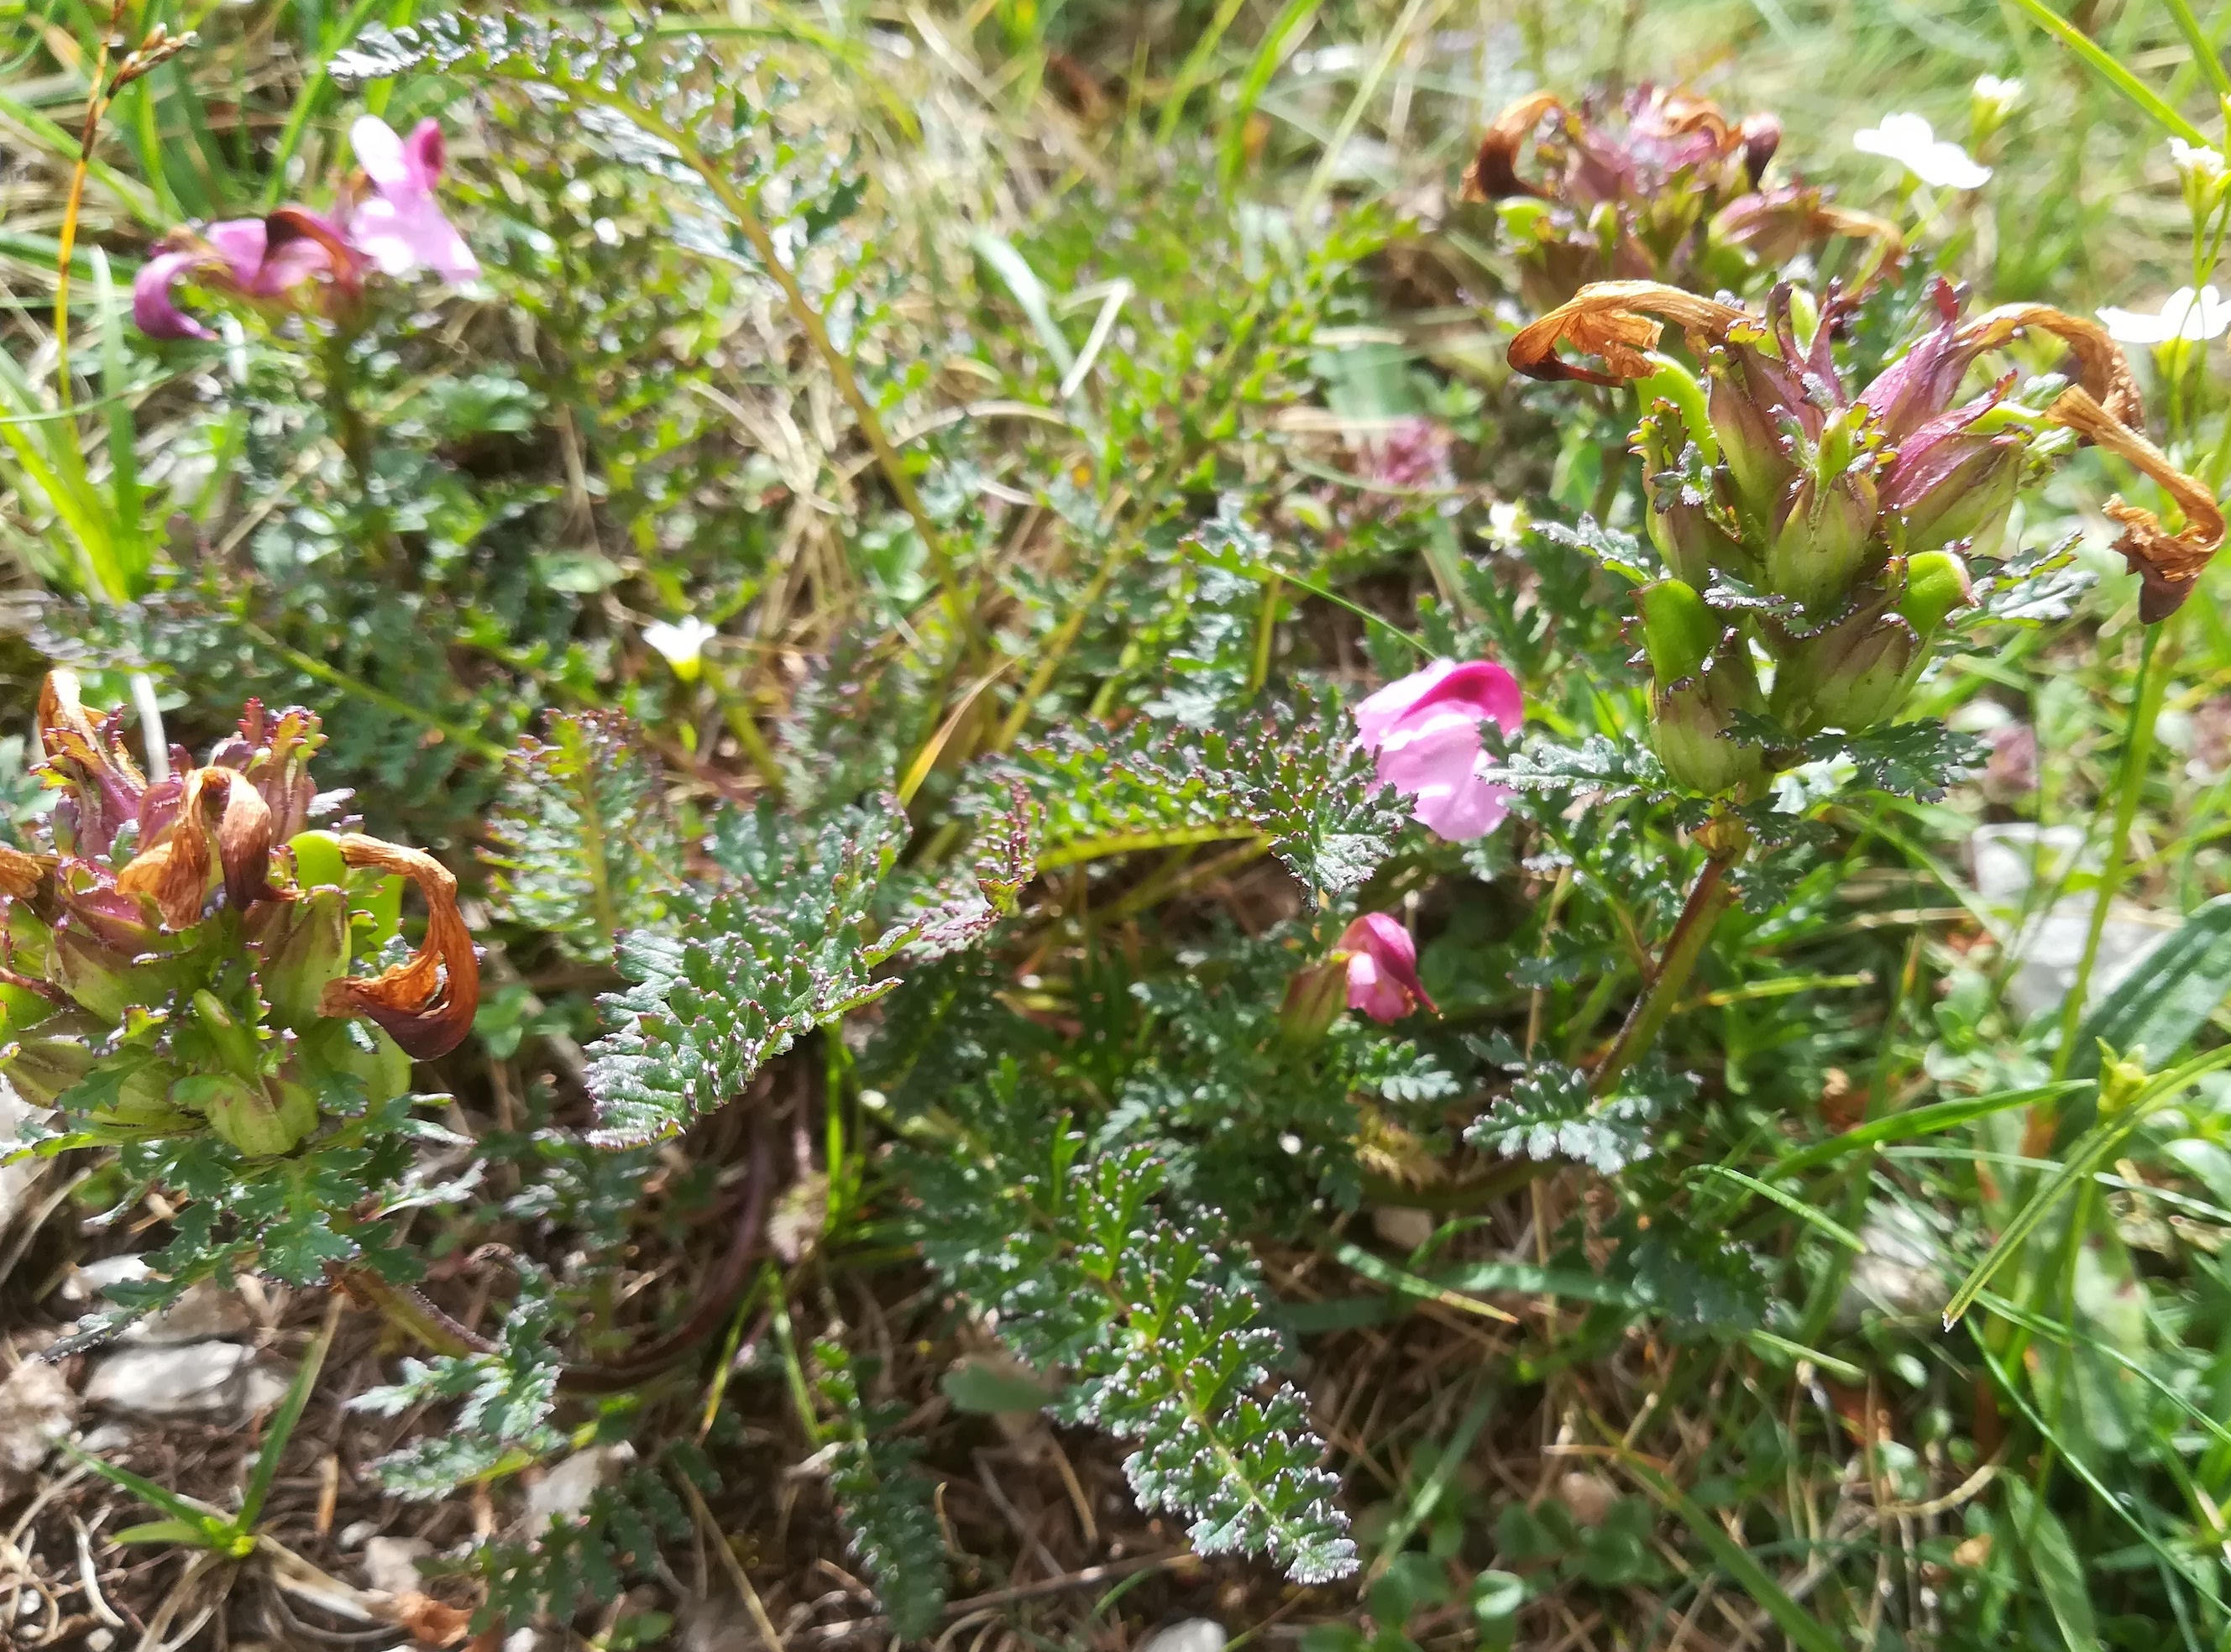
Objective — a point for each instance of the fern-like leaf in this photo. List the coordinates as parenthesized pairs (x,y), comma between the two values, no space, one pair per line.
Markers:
(1162,1334)
(751,968)
(580,841)
(1289,774)
(886,1504)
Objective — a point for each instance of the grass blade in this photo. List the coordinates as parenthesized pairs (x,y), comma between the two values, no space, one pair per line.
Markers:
(1803,1628)
(284,1419)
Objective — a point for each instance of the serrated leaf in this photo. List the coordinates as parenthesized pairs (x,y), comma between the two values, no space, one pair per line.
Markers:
(1912,759)
(580,841)
(888,1505)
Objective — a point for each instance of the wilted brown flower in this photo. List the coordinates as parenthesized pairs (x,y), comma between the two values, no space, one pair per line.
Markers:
(1661,187)
(179,958)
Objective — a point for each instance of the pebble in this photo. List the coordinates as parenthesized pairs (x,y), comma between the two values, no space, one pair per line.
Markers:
(187,1379)
(1188,1635)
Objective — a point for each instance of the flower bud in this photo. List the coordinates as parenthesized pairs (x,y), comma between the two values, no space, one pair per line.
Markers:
(1679,632)
(1382,968)
(1851,675)
(1824,542)
(1682,482)
(235,1043)
(298,946)
(1953,485)
(1314,1000)
(1936,582)
(261,1119)
(1690,717)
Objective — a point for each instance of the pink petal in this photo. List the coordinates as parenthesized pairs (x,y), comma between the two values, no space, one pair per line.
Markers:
(1482,687)
(1375,715)
(241,242)
(1369,990)
(379,152)
(1485,689)
(403,236)
(1437,748)
(1393,954)
(290,266)
(153,307)
(424,154)
(1472,808)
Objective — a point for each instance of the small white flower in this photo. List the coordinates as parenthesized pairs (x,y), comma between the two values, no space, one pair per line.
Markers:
(1508,523)
(2000,97)
(1908,140)
(683,645)
(2183,314)
(2197,160)
(2203,172)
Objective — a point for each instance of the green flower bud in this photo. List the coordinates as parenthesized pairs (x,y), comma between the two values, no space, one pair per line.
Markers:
(1825,540)
(262,1119)
(1851,676)
(1679,632)
(1689,720)
(1936,584)
(1681,485)
(1315,999)
(235,1044)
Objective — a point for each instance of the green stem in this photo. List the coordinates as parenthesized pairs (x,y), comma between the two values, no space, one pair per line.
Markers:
(2110,70)
(2154,664)
(1708,901)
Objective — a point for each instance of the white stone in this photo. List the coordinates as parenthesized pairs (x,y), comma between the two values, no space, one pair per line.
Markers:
(1190,1635)
(391,1564)
(564,1493)
(36,1408)
(189,1379)
(1402,1226)
(2047,948)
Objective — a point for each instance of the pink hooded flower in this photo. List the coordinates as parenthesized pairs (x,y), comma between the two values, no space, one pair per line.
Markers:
(1382,969)
(1424,731)
(401,228)
(255,258)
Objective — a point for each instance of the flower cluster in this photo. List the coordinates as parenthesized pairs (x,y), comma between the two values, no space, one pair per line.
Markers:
(1662,187)
(276,261)
(1831,530)
(178,958)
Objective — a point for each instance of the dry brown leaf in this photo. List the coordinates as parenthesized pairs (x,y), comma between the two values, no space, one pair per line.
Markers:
(1614,320)
(2169,565)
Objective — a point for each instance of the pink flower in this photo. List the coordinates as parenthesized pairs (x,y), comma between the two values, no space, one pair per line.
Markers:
(1382,969)
(259,259)
(401,228)
(1424,730)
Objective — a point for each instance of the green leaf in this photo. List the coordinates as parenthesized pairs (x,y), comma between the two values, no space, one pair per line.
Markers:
(2054,1563)
(2168,998)
(580,841)
(195,1534)
(889,1508)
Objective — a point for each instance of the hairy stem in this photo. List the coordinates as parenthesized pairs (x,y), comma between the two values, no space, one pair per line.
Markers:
(2154,669)
(1711,896)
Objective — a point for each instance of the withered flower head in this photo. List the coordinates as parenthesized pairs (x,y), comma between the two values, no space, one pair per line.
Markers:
(178,958)
(1841,520)
(1662,186)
